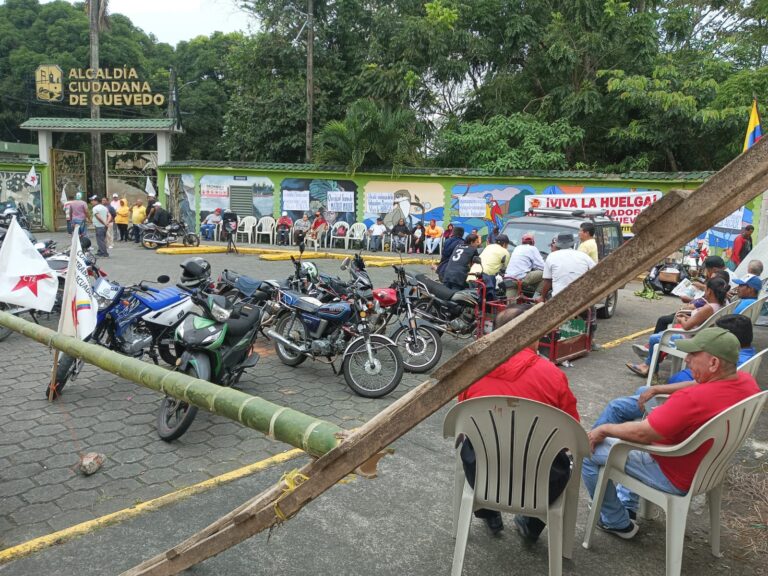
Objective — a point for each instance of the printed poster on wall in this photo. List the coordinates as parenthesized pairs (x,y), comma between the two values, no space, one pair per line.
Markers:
(341,201)
(471,207)
(213,190)
(296,200)
(379,202)
(732,221)
(623,207)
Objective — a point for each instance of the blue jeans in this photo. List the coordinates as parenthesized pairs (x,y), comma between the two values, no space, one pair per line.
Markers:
(81,226)
(640,465)
(620,410)
(653,340)
(207,231)
(375,243)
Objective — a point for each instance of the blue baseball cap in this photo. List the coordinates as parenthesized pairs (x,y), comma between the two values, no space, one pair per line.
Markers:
(750,280)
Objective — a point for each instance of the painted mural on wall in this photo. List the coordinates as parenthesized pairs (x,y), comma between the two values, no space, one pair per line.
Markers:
(336,199)
(183,200)
(482,206)
(127,173)
(216,192)
(414,202)
(15,192)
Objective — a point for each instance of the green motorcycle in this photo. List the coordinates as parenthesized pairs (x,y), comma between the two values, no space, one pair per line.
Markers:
(215,346)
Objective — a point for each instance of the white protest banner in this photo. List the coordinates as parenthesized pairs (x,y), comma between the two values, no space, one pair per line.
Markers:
(25,277)
(149,188)
(472,207)
(78,304)
(623,207)
(214,191)
(732,221)
(32,178)
(379,202)
(167,186)
(296,200)
(341,201)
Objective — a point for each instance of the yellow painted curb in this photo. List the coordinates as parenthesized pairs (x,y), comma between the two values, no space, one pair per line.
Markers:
(614,343)
(27,548)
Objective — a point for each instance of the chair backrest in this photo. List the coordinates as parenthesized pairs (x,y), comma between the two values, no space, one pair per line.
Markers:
(753,364)
(338,225)
(247,223)
(727,431)
(753,310)
(265,224)
(515,441)
(357,231)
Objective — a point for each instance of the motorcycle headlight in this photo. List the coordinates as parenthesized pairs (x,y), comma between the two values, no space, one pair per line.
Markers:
(219,314)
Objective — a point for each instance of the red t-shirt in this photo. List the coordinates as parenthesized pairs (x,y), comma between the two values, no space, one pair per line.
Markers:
(685,412)
(527,375)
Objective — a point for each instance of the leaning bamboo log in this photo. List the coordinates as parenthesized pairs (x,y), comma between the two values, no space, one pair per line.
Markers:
(284,424)
(665,226)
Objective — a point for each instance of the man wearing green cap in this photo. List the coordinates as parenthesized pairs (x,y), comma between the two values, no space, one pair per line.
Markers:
(712,357)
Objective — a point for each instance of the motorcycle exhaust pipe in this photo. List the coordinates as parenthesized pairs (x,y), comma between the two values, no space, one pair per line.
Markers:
(285,342)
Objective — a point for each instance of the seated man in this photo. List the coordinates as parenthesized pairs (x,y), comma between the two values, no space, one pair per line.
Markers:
(432,234)
(524,375)
(449,245)
(747,289)
(376,232)
(712,357)
(208,227)
(283,225)
(455,272)
(493,259)
(526,264)
(301,228)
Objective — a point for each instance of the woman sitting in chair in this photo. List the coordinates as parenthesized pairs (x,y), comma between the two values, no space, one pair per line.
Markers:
(318,228)
(400,235)
(715,296)
(417,239)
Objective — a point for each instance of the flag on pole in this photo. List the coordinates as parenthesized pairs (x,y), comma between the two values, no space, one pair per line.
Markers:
(32,178)
(63,198)
(25,277)
(167,186)
(149,189)
(78,304)
(754,130)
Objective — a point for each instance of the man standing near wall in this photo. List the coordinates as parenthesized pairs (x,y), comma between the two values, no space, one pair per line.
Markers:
(742,245)
(101,220)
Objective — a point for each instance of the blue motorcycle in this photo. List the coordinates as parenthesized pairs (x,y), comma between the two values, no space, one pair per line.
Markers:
(307,328)
(132,320)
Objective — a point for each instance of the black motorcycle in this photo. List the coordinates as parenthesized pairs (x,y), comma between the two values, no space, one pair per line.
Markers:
(153,236)
(452,311)
(216,346)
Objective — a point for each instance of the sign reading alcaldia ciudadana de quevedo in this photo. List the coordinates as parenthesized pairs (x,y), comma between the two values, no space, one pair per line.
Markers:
(100,86)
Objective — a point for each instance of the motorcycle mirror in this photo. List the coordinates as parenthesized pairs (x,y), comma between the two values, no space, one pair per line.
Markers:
(163,279)
(345,263)
(85,243)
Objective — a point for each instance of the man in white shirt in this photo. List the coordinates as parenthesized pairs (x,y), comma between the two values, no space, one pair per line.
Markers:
(101,221)
(377,232)
(526,263)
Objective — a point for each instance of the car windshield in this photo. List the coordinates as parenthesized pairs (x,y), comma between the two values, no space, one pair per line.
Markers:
(543,234)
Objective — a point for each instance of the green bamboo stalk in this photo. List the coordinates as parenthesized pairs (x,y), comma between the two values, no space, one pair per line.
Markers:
(314,436)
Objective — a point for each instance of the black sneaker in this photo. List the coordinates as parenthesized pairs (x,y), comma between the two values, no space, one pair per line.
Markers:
(522,529)
(495,524)
(626,533)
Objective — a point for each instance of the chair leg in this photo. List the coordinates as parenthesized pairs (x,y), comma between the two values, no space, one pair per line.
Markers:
(462,534)
(555,541)
(715,497)
(458,489)
(570,511)
(597,502)
(677,515)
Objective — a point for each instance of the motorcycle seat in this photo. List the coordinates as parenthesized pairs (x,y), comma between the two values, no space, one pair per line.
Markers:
(249,317)
(159,298)
(246,285)
(435,288)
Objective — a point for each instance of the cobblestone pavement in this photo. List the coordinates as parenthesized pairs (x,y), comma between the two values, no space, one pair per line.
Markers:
(41,492)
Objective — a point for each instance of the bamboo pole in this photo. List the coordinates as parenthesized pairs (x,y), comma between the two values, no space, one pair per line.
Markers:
(665,226)
(312,435)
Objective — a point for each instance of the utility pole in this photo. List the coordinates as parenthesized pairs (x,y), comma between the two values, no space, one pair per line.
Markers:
(310,74)
(97,160)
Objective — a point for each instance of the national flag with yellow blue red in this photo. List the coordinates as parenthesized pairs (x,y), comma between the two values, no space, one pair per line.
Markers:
(754,130)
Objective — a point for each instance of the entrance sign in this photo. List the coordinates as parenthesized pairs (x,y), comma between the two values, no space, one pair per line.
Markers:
(341,201)
(623,207)
(48,85)
(100,86)
(296,200)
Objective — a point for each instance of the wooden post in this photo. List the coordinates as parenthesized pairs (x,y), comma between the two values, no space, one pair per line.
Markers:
(665,226)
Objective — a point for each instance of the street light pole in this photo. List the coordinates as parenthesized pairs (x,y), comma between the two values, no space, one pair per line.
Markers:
(310,73)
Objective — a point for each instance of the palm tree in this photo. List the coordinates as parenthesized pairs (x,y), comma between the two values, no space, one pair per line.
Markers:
(99,21)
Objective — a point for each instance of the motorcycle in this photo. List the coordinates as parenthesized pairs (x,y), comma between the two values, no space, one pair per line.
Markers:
(132,320)
(451,311)
(307,328)
(153,236)
(666,275)
(418,341)
(11,212)
(216,346)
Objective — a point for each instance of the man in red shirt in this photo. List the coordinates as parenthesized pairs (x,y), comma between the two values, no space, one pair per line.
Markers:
(742,245)
(712,357)
(524,375)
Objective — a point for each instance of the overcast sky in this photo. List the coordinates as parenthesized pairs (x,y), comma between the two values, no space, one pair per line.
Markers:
(174,20)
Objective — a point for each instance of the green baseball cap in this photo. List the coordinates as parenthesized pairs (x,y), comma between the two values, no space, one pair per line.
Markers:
(716,341)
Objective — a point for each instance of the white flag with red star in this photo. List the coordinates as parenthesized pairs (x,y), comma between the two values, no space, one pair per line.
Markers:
(32,178)
(78,304)
(25,277)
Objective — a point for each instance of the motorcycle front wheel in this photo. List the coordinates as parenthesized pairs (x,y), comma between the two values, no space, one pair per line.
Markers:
(64,371)
(191,240)
(421,351)
(150,241)
(175,416)
(4,332)
(374,376)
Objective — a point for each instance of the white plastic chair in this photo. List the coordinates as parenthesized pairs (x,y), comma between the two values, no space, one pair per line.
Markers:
(439,249)
(318,239)
(667,345)
(752,365)
(357,232)
(754,310)
(265,227)
(516,441)
(335,236)
(727,432)
(392,243)
(245,228)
